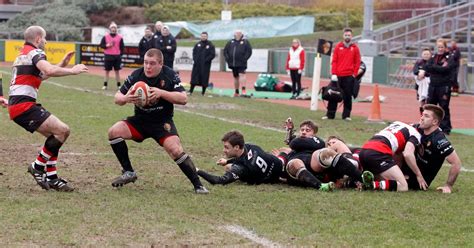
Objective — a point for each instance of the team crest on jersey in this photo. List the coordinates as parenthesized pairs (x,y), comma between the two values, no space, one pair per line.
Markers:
(162,83)
(199,45)
(207,47)
(167,127)
(249,155)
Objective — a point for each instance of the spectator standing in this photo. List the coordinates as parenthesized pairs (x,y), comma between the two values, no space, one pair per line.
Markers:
(146,43)
(441,67)
(203,54)
(167,45)
(344,68)
(157,34)
(237,52)
(422,78)
(295,66)
(113,46)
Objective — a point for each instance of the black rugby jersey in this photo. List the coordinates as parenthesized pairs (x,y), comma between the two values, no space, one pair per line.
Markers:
(167,80)
(432,152)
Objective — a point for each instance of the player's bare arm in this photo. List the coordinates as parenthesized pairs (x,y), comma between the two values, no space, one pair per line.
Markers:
(409,156)
(121,99)
(174,97)
(455,162)
(50,70)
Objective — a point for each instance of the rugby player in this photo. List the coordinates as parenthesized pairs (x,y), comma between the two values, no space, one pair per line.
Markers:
(154,120)
(395,142)
(435,148)
(29,70)
(250,164)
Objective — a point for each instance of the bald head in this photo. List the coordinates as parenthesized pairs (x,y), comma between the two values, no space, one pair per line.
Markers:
(36,35)
(33,32)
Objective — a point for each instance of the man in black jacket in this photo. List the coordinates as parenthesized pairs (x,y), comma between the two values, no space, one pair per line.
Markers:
(237,52)
(203,54)
(146,43)
(441,67)
(167,45)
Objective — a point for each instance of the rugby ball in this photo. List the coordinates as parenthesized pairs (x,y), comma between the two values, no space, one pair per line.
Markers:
(142,90)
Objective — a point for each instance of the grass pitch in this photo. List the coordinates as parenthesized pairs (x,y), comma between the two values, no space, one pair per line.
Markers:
(161,209)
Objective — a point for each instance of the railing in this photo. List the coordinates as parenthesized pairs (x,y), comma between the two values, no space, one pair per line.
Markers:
(446,22)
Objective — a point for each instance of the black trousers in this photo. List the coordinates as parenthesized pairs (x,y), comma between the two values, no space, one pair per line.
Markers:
(347,86)
(441,96)
(295,82)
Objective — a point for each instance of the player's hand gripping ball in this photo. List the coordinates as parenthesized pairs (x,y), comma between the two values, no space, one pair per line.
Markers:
(142,91)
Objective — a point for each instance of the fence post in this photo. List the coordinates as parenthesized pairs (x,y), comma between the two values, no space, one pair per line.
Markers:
(316,81)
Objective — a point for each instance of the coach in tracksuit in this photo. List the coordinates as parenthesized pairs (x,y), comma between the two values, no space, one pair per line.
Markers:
(344,69)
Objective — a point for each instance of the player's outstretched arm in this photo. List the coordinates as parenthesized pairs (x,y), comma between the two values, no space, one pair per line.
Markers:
(409,156)
(455,162)
(50,70)
(227,178)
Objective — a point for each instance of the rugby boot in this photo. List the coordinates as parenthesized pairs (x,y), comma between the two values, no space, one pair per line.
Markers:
(126,177)
(326,187)
(39,176)
(201,190)
(368,180)
(60,184)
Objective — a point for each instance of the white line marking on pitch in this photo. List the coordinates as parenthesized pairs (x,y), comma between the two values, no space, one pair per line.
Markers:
(178,108)
(463,169)
(248,234)
(231,121)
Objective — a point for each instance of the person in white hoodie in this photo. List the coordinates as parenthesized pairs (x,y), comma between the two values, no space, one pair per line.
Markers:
(295,66)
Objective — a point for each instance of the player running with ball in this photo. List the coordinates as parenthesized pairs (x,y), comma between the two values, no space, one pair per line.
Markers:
(154,120)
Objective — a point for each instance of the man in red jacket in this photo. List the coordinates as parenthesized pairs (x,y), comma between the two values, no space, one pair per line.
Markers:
(344,69)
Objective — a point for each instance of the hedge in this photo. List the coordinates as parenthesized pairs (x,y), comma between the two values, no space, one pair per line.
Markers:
(206,11)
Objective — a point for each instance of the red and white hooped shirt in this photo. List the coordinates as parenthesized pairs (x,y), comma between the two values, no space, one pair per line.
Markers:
(393,138)
(26,80)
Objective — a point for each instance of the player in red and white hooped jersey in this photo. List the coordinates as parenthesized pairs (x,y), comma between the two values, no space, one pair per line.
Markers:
(379,153)
(29,69)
